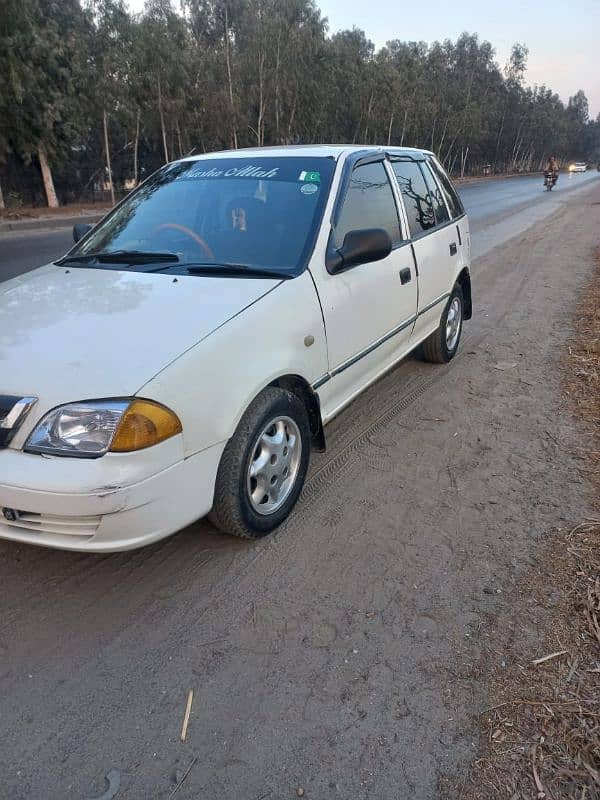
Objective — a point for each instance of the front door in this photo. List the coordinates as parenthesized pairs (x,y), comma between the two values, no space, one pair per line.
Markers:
(370,309)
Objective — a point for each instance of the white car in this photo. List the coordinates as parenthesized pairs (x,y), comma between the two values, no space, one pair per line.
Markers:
(578,166)
(184,357)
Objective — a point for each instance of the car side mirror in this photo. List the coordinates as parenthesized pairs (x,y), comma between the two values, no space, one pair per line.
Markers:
(80,230)
(359,247)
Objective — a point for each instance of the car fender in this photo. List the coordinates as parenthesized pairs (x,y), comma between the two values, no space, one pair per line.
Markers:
(210,386)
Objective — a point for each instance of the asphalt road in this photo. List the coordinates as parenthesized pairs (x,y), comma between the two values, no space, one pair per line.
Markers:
(341,656)
(488,199)
(520,199)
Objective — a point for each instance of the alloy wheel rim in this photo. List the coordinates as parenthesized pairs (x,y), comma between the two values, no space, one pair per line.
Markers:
(274,465)
(453,323)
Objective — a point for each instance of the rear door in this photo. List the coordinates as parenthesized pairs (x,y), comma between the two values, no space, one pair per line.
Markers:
(434,239)
(456,209)
(370,309)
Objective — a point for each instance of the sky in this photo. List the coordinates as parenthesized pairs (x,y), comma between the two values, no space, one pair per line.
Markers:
(563,37)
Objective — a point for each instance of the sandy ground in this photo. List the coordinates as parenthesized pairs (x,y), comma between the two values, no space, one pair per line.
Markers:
(339,658)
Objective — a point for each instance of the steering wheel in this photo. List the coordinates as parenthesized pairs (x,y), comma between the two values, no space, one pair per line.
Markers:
(198,239)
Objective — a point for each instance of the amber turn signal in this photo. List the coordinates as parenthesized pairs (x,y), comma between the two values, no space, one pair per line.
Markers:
(143,424)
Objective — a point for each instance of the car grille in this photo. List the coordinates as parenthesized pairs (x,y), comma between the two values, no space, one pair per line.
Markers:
(82,527)
(13,410)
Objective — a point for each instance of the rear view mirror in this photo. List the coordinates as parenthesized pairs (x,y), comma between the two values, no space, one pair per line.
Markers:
(80,230)
(359,247)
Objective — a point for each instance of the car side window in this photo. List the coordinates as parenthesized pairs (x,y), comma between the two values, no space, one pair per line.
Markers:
(452,198)
(439,206)
(417,200)
(369,203)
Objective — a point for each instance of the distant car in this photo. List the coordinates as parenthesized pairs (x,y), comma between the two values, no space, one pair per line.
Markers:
(578,166)
(186,354)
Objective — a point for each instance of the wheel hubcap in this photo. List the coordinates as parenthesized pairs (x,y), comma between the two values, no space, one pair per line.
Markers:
(453,323)
(274,465)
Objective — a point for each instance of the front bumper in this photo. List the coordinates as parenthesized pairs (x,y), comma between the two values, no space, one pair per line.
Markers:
(57,506)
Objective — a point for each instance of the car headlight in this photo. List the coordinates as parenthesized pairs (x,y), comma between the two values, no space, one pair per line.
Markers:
(92,428)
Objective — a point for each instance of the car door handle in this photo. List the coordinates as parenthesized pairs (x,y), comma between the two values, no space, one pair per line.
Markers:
(453,249)
(405,275)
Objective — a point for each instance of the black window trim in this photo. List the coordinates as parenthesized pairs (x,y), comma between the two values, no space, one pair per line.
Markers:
(354,160)
(413,238)
(434,170)
(452,220)
(437,185)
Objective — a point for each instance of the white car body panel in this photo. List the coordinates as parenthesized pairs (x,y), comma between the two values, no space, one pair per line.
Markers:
(212,385)
(100,330)
(205,347)
(362,306)
(119,516)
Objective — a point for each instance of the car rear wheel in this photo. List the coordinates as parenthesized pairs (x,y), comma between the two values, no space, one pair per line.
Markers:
(263,466)
(441,346)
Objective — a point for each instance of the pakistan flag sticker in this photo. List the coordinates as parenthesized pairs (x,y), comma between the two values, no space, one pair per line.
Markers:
(311,177)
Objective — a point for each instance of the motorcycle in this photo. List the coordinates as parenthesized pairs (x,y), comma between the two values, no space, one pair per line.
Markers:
(550,179)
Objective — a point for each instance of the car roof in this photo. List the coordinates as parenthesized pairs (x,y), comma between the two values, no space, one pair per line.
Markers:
(309,150)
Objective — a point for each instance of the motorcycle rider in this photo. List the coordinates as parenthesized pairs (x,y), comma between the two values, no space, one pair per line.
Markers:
(552,168)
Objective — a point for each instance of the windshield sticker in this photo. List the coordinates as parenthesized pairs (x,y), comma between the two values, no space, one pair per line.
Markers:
(309,188)
(314,177)
(247,171)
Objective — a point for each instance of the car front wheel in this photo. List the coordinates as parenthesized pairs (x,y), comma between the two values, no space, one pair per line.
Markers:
(263,466)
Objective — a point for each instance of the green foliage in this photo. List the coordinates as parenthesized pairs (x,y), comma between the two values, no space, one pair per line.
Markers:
(209,74)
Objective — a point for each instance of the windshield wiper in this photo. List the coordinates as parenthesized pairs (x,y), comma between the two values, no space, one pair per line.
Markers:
(122,257)
(212,268)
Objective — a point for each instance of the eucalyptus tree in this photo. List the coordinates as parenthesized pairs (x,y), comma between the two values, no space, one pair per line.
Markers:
(85,83)
(162,68)
(39,55)
(110,51)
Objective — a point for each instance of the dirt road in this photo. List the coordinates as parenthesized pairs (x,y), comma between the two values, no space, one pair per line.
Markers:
(338,657)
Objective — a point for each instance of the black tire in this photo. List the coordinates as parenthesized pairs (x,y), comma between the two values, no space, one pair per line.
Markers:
(233,511)
(435,348)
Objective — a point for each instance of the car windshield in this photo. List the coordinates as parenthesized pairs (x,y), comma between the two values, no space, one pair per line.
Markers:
(259,212)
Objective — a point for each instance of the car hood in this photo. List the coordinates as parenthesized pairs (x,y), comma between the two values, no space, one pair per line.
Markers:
(71,334)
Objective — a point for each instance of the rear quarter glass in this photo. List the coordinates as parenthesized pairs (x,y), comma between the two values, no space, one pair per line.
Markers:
(450,193)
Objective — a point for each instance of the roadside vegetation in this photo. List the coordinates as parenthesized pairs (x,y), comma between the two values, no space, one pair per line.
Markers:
(94,98)
(541,737)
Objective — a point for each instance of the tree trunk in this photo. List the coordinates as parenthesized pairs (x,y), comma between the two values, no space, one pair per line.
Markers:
(278,90)
(404,126)
(162,124)
(517,145)
(108,166)
(441,144)
(260,123)
(230,81)
(369,109)
(51,197)
(291,119)
(389,141)
(135,149)
(497,150)
(1,198)
(464,162)
(178,130)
